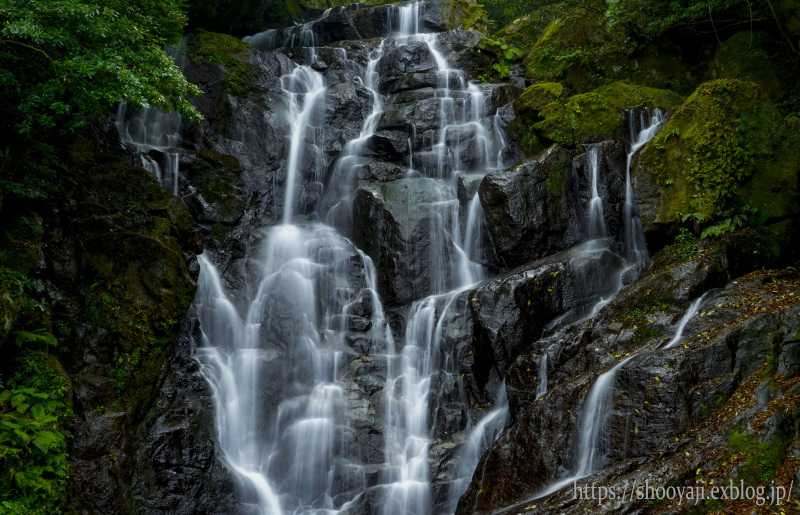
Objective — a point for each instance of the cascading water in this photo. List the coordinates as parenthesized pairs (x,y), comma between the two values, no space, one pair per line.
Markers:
(343,178)
(480,437)
(541,389)
(409,398)
(596,410)
(152,135)
(304,89)
(650,121)
(694,307)
(597,222)
(275,352)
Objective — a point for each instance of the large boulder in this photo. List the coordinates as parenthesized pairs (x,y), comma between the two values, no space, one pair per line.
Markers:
(726,148)
(401,225)
(540,207)
(534,209)
(518,307)
(415,57)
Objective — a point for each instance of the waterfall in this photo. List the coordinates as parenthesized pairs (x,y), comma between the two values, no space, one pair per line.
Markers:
(152,135)
(409,398)
(479,439)
(694,307)
(277,351)
(650,121)
(596,410)
(303,88)
(597,222)
(541,388)
(343,178)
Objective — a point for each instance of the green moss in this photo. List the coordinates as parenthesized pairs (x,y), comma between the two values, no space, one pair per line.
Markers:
(763,458)
(20,242)
(531,102)
(639,313)
(468,14)
(218,232)
(726,147)
(555,182)
(744,56)
(231,53)
(597,115)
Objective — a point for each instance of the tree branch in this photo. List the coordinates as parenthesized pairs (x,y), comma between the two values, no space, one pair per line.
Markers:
(29,47)
(794,53)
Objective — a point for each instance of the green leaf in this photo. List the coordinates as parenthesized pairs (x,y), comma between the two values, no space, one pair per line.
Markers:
(38,412)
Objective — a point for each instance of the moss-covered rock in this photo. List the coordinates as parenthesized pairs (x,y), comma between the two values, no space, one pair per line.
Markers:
(468,14)
(231,53)
(599,115)
(20,242)
(10,295)
(216,177)
(536,97)
(727,147)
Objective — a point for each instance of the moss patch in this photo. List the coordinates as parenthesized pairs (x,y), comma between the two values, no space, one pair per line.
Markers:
(216,177)
(598,115)
(231,53)
(468,14)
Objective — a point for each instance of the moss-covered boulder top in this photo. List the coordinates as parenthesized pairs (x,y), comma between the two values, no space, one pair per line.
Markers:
(549,116)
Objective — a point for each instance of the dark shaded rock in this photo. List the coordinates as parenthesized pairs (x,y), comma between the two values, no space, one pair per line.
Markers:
(347,105)
(396,222)
(414,57)
(540,207)
(459,48)
(408,82)
(534,209)
(179,466)
(219,196)
(516,308)
(659,396)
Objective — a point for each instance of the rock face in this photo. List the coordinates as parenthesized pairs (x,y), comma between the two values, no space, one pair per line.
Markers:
(519,306)
(117,269)
(540,207)
(722,353)
(393,226)
(359,22)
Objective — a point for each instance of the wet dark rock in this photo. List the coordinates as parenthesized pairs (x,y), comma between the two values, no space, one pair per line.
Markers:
(516,308)
(467,187)
(382,172)
(414,57)
(540,206)
(458,47)
(534,209)
(725,344)
(392,224)
(347,105)
(421,116)
(408,82)
(179,467)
